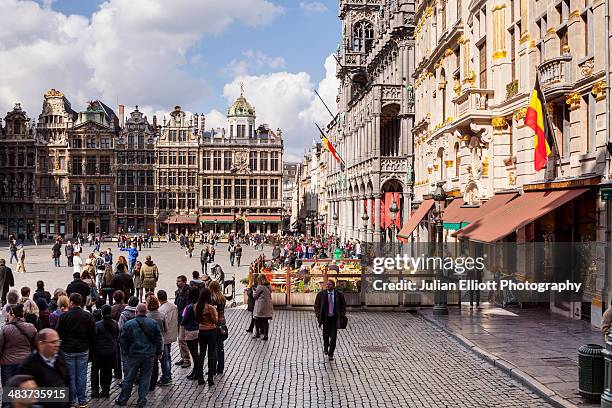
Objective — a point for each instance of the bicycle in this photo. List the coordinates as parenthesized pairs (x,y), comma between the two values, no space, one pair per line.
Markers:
(506,296)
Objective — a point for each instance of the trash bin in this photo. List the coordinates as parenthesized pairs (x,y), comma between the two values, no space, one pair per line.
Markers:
(590,371)
(337,254)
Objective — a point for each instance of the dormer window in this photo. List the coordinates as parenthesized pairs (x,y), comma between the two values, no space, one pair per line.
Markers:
(17,127)
(363,37)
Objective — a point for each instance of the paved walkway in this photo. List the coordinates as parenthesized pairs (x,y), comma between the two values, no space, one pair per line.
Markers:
(535,342)
(383,360)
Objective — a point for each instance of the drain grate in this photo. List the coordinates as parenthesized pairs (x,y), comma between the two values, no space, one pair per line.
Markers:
(560,361)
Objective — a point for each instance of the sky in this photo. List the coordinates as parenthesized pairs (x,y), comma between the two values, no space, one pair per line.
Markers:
(160,53)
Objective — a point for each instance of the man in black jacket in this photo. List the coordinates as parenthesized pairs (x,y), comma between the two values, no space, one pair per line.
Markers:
(47,364)
(77,329)
(330,308)
(181,298)
(77,286)
(41,292)
(6,280)
(123,281)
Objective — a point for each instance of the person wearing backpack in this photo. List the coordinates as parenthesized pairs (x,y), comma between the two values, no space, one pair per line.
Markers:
(16,342)
(149,275)
(100,266)
(104,353)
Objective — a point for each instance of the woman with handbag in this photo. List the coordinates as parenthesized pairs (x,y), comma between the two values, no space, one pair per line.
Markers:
(190,324)
(219,300)
(251,303)
(207,318)
(263,306)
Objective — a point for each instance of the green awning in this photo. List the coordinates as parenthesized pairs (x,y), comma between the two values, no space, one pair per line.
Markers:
(454,225)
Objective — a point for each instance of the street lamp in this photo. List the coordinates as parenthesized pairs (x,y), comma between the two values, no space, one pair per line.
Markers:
(394,210)
(215,222)
(440,296)
(365,218)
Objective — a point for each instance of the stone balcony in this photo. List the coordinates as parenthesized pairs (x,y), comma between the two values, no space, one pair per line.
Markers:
(473,102)
(92,207)
(241,203)
(353,59)
(556,76)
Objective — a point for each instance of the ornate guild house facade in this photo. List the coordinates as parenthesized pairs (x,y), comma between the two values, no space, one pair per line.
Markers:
(373,130)
(241,175)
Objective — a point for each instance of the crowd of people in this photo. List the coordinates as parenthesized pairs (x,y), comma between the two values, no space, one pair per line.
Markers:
(110,321)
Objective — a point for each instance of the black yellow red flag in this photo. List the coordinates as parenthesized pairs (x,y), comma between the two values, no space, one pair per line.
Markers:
(536,120)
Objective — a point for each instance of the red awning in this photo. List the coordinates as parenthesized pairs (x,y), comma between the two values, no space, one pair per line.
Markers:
(517,213)
(416,218)
(264,217)
(218,218)
(460,213)
(181,219)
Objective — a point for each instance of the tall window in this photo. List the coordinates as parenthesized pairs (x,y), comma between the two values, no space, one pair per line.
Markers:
(206,161)
(274,161)
(163,178)
(274,189)
(363,36)
(140,200)
(227,161)
(227,189)
(105,195)
(216,189)
(591,111)
(512,55)
(240,189)
(457,159)
(253,189)
(163,201)
(216,160)
(192,158)
(76,143)
(172,156)
(91,165)
(172,135)
(206,189)
(121,200)
(191,201)
(150,178)
(91,195)
(263,161)
(163,158)
(77,167)
(171,201)
(182,202)
(263,189)
(141,140)
(253,161)
(589,32)
(182,158)
(482,60)
(91,142)
(105,165)
(150,200)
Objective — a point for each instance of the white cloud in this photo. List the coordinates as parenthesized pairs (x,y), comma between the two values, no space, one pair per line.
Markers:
(286,100)
(253,61)
(313,6)
(132,51)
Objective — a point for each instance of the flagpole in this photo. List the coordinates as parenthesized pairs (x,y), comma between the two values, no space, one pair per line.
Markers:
(550,123)
(324,104)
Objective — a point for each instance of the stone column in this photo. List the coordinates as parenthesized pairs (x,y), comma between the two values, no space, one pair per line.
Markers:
(377,222)
(376,144)
(370,229)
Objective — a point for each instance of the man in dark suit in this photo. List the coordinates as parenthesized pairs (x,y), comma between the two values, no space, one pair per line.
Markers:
(330,308)
(47,365)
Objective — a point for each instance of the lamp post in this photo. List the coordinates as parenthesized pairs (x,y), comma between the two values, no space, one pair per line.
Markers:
(336,218)
(440,296)
(215,222)
(365,218)
(394,210)
(321,223)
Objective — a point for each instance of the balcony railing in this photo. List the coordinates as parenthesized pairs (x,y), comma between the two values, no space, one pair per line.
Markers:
(241,203)
(556,70)
(472,100)
(91,207)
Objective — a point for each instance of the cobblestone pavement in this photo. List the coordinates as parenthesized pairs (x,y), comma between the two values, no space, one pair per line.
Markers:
(382,360)
(170,259)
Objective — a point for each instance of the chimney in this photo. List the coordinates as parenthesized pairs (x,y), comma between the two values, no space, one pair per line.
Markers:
(203,125)
(121,116)
(196,123)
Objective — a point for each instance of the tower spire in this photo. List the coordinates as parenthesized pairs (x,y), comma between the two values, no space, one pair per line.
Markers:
(241,89)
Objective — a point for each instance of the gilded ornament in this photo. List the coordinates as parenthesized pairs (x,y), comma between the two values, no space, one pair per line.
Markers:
(448,164)
(520,113)
(436,167)
(587,67)
(566,49)
(54,93)
(470,78)
(499,122)
(448,52)
(575,14)
(462,39)
(599,90)
(457,88)
(573,100)
(499,54)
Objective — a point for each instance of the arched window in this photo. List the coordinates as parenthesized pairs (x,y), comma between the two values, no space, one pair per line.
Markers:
(91,195)
(440,160)
(442,91)
(363,36)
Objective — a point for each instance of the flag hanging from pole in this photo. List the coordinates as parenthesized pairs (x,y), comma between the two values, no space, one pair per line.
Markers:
(330,147)
(536,120)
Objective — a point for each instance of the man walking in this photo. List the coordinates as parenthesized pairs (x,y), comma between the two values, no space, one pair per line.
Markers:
(232,253)
(170,312)
(6,280)
(238,251)
(181,298)
(77,330)
(56,252)
(141,344)
(330,308)
(204,259)
(12,250)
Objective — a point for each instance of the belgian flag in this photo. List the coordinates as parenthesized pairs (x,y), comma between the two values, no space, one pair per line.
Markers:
(536,120)
(330,147)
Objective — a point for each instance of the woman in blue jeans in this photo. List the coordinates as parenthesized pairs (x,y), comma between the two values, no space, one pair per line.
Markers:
(218,299)
(207,318)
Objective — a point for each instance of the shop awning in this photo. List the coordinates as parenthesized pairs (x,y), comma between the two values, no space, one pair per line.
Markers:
(181,219)
(416,218)
(459,214)
(260,219)
(517,213)
(219,219)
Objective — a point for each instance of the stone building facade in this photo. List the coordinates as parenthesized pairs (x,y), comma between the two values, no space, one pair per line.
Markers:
(17,174)
(135,169)
(241,175)
(92,170)
(51,203)
(373,130)
(476,64)
(177,149)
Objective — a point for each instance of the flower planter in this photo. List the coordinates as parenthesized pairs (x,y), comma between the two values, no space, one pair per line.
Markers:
(303,299)
(382,299)
(279,299)
(353,298)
